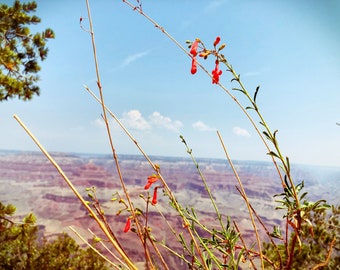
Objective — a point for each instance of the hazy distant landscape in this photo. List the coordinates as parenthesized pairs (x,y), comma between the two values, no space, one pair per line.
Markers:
(31,183)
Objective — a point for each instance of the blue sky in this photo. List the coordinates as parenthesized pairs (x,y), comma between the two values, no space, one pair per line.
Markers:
(290,48)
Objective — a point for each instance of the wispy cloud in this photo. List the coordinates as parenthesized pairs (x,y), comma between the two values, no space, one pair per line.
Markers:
(99,122)
(156,119)
(134,120)
(134,57)
(241,132)
(199,125)
(131,120)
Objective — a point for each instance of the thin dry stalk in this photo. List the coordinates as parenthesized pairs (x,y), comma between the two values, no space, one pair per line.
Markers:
(93,248)
(245,246)
(153,165)
(245,198)
(171,195)
(78,195)
(156,250)
(108,250)
(123,128)
(320,265)
(131,207)
(264,227)
(225,89)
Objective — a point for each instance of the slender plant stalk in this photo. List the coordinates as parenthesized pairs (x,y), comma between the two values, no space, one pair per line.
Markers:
(140,11)
(123,128)
(264,227)
(175,234)
(245,246)
(271,135)
(156,250)
(114,152)
(245,198)
(78,195)
(93,248)
(189,151)
(322,264)
(108,250)
(153,165)
(131,207)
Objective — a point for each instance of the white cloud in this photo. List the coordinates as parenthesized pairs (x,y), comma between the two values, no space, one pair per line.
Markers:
(133,57)
(157,119)
(134,120)
(99,122)
(199,125)
(241,132)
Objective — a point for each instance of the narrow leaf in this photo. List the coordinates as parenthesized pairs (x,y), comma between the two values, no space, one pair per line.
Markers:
(303,195)
(256,91)
(238,89)
(274,134)
(267,135)
(288,164)
(273,154)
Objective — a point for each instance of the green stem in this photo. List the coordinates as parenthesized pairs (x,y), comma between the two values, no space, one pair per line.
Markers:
(268,130)
(219,216)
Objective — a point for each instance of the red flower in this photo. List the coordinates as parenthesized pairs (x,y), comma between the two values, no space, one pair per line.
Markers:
(127,225)
(151,179)
(217,40)
(154,198)
(193,66)
(216,73)
(194,46)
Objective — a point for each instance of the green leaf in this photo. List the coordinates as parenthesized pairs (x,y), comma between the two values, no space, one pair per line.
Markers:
(238,89)
(193,212)
(239,257)
(97,239)
(303,195)
(273,154)
(235,79)
(30,219)
(288,164)
(274,134)
(267,135)
(10,209)
(256,91)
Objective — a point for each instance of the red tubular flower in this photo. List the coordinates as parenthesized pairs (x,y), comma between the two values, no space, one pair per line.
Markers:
(127,225)
(216,73)
(148,185)
(154,198)
(151,179)
(193,66)
(217,40)
(194,46)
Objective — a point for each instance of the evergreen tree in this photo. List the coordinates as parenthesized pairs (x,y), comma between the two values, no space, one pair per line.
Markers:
(20,50)
(20,247)
(315,245)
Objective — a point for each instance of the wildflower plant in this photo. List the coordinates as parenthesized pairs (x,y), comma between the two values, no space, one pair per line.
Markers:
(200,245)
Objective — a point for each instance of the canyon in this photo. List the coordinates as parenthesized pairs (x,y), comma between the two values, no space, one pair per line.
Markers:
(31,183)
